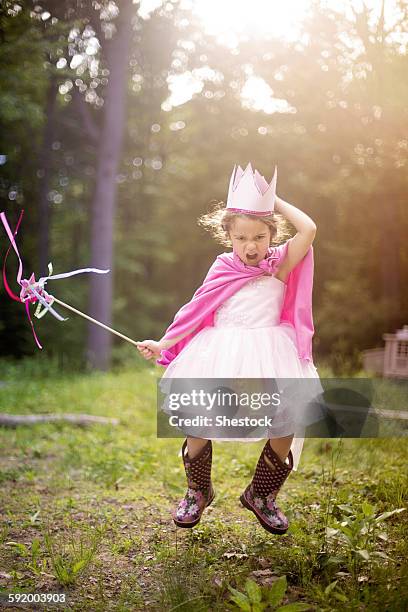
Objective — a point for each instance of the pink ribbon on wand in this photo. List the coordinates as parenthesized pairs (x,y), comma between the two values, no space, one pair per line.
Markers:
(33,291)
(20,269)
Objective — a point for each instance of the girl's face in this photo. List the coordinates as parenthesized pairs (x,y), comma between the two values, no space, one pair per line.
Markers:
(250,239)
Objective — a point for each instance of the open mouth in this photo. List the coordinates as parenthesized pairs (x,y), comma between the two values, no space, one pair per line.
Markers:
(252,257)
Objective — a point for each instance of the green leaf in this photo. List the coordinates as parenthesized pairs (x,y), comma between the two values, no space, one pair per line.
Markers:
(294,607)
(240,599)
(340,597)
(277,591)
(379,553)
(35,547)
(330,532)
(386,515)
(259,607)
(334,560)
(363,553)
(22,548)
(34,516)
(253,590)
(346,531)
(367,508)
(242,604)
(345,508)
(78,566)
(330,587)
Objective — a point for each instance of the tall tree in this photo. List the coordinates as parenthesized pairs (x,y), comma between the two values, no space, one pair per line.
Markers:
(115,52)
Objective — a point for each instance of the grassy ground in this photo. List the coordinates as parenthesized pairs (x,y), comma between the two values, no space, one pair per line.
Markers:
(86,512)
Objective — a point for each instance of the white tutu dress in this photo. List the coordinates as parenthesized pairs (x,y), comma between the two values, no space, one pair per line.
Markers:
(246,341)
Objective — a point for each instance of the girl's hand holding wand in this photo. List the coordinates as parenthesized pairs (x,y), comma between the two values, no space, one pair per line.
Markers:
(150,349)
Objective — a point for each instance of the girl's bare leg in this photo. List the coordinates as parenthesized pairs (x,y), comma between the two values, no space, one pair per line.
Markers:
(194,445)
(281,446)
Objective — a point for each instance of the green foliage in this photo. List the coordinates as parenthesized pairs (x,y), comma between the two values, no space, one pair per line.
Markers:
(354,537)
(31,555)
(256,598)
(70,559)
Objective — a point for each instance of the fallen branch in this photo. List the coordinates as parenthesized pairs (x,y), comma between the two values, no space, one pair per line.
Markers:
(83,420)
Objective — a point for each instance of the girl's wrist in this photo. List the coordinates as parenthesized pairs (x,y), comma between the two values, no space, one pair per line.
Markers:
(166,344)
(283,208)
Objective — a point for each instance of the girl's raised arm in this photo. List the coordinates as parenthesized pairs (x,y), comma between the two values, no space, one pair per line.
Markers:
(300,243)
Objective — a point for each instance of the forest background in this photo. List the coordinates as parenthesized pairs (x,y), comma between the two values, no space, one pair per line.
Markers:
(121,123)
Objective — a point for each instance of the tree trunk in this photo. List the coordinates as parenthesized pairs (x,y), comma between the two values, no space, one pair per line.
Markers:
(116,52)
(390,259)
(387,131)
(45,169)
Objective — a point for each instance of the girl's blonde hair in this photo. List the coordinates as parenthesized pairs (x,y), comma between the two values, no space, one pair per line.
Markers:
(219,221)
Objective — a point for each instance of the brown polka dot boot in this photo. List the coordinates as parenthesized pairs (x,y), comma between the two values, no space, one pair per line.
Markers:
(200,492)
(260,494)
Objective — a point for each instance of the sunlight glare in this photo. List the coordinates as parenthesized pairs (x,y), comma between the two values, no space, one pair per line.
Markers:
(233,22)
(256,94)
(224,18)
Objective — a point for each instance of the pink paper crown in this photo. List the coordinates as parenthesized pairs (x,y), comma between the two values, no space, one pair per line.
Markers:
(250,193)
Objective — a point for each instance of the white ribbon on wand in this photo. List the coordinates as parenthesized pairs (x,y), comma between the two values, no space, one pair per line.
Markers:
(33,291)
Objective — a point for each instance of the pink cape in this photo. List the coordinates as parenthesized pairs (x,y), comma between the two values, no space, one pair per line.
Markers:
(228,274)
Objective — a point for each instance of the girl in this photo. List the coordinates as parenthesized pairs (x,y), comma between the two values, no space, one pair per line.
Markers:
(251,318)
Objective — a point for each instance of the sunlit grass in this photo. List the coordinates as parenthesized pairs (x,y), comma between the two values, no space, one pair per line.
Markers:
(90,508)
